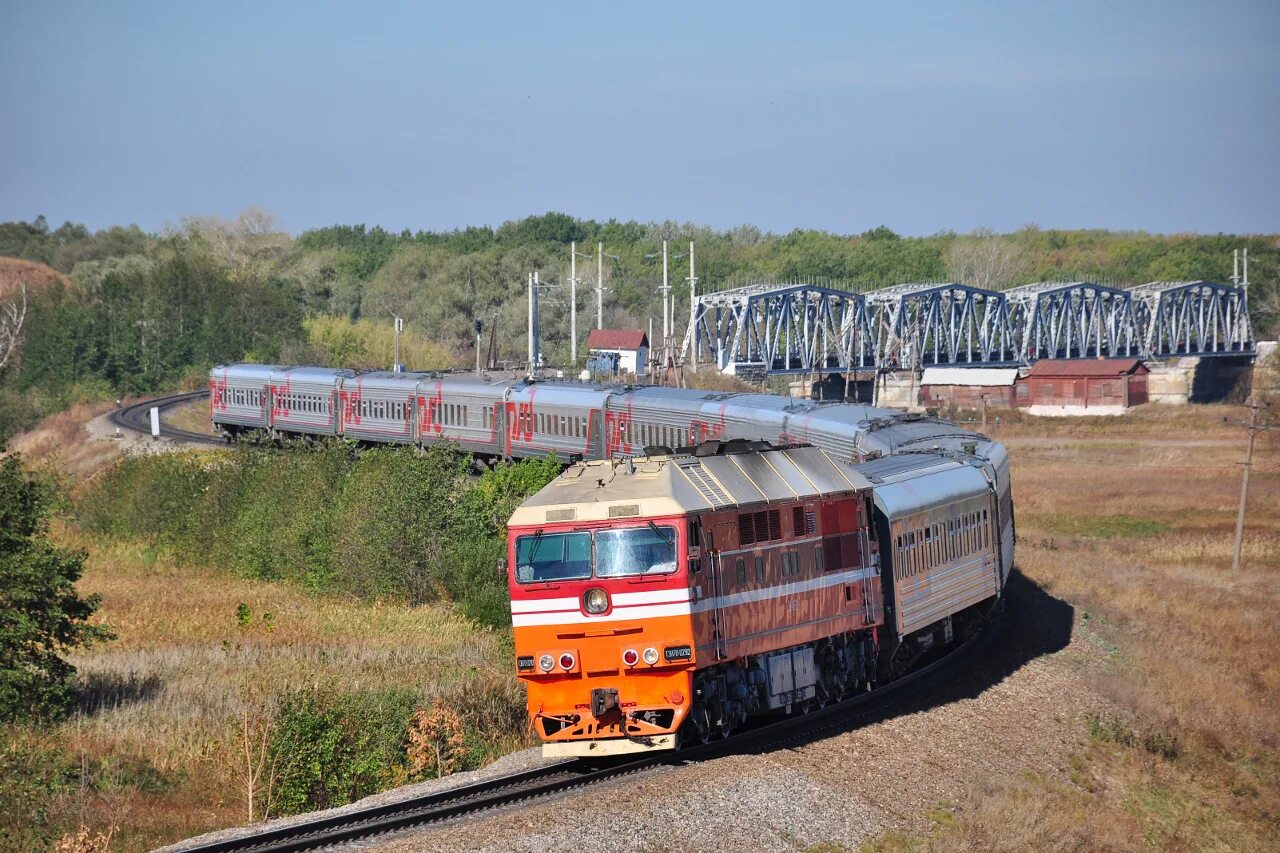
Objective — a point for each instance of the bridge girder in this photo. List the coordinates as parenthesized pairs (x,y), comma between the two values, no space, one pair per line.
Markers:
(940,323)
(784,328)
(1192,318)
(804,327)
(1078,319)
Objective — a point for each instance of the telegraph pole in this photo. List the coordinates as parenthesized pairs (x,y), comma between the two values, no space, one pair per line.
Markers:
(1253,428)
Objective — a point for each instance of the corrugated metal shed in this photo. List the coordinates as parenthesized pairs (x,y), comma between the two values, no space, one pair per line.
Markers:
(1101,367)
(987,377)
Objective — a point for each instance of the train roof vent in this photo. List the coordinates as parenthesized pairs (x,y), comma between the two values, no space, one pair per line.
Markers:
(727,447)
(706,486)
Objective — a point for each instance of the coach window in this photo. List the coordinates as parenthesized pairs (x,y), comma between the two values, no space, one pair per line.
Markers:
(818,561)
(759,569)
(740,570)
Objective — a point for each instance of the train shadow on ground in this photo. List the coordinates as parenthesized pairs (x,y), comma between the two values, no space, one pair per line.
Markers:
(1035,624)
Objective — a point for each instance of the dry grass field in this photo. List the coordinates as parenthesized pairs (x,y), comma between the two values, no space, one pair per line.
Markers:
(1131,521)
(188,659)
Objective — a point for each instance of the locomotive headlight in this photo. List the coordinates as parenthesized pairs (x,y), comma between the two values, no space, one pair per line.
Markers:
(596,600)
(546,663)
(567,661)
(651,656)
(630,658)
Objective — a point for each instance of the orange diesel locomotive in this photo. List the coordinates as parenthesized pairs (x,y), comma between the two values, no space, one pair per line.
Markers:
(691,590)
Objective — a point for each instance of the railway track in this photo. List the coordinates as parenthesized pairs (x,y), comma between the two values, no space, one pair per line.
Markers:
(137,417)
(545,782)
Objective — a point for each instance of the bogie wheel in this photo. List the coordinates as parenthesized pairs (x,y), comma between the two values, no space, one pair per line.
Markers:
(700,720)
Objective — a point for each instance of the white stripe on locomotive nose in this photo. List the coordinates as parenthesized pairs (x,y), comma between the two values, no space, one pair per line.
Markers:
(577,617)
(622,599)
(544,604)
(656,596)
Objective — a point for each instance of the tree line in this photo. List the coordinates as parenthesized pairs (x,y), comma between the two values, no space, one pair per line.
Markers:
(139,312)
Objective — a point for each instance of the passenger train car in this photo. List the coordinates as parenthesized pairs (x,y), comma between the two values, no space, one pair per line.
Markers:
(519,418)
(681,593)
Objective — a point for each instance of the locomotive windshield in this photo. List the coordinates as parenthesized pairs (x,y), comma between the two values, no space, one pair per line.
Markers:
(544,557)
(553,557)
(639,551)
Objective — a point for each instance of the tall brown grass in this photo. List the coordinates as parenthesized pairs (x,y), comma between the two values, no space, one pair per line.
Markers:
(195,641)
(1132,521)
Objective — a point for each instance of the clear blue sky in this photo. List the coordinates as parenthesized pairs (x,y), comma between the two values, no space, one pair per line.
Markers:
(1162,116)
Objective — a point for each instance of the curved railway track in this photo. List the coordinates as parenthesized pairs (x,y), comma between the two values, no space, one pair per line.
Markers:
(544,782)
(137,417)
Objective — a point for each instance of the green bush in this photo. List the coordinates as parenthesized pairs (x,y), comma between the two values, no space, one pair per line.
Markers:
(330,748)
(35,782)
(42,616)
(394,523)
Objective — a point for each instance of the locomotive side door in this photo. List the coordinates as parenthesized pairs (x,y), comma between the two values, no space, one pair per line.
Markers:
(721,533)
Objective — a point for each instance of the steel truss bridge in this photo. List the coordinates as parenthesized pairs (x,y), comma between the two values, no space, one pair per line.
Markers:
(807,328)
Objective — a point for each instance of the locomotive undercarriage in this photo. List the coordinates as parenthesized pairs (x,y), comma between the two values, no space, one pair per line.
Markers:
(727,694)
(797,678)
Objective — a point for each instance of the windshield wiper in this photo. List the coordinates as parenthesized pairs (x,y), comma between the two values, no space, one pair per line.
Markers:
(658,530)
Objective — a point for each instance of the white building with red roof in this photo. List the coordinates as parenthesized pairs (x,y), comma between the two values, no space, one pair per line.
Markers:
(629,347)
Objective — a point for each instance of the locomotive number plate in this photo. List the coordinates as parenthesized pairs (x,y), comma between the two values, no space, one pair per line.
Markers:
(677,653)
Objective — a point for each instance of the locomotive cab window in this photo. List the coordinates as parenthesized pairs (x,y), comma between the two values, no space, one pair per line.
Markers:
(636,551)
(553,557)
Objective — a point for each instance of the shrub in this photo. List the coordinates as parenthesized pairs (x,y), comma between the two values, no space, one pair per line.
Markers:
(330,748)
(437,743)
(394,523)
(33,783)
(42,616)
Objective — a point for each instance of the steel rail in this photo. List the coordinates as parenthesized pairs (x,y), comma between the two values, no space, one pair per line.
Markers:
(544,782)
(136,417)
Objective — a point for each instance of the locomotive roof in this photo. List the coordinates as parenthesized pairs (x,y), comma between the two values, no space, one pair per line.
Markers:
(678,483)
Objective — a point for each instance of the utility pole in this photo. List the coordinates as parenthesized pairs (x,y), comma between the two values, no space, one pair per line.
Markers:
(600,285)
(1254,428)
(530,325)
(537,321)
(666,292)
(573,304)
(396,366)
(693,311)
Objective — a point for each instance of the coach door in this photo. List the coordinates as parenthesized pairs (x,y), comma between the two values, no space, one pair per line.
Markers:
(595,435)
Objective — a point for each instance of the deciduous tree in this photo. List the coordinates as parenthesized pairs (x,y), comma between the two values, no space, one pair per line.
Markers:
(42,616)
